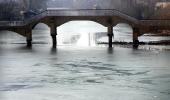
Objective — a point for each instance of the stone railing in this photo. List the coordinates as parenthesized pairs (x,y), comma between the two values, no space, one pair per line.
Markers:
(70,12)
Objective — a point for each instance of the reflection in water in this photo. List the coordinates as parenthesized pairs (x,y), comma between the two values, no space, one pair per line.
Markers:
(53,50)
(136,46)
(110,50)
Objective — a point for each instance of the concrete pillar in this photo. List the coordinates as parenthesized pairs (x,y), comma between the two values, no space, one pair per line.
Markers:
(110,36)
(29,37)
(136,33)
(53,31)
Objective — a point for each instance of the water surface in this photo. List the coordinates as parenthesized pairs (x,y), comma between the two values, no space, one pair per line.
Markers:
(73,73)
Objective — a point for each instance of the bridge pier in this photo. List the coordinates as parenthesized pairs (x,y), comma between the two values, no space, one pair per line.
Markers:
(110,36)
(29,38)
(136,33)
(53,31)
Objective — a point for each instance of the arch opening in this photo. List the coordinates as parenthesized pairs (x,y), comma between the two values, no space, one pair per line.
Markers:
(41,34)
(123,32)
(40,25)
(80,33)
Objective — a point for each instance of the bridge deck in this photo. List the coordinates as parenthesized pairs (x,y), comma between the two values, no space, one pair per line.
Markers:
(85,13)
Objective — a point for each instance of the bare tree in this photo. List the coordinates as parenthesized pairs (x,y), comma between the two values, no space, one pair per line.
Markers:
(19,9)
(9,10)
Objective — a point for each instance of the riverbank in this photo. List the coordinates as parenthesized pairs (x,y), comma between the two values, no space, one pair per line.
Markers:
(152,45)
(162,42)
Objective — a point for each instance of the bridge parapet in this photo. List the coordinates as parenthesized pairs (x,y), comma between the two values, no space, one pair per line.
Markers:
(71,13)
(11,23)
(23,9)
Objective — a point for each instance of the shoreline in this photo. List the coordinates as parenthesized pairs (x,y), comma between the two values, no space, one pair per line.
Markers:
(163,43)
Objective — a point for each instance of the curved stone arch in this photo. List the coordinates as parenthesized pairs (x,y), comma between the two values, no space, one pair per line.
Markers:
(103,29)
(34,25)
(90,22)
(126,24)
(136,32)
(98,21)
(64,22)
(120,20)
(121,29)
(133,27)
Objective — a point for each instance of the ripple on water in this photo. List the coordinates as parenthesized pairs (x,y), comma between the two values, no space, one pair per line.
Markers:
(16,87)
(146,82)
(38,64)
(109,65)
(93,81)
(93,63)
(73,65)
(87,73)
(12,87)
(100,67)
(167,92)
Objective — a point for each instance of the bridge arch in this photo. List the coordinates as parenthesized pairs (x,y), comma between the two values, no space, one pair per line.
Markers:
(40,23)
(41,33)
(62,22)
(123,32)
(123,26)
(79,30)
(86,26)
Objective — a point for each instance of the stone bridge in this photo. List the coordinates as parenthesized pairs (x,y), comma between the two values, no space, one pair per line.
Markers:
(54,17)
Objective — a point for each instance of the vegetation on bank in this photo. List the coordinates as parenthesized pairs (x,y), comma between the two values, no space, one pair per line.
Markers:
(163,42)
(11,10)
(144,9)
